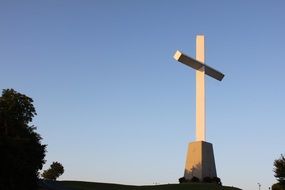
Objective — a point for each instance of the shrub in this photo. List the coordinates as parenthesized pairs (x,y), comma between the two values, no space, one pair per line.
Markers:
(278,186)
(217,180)
(195,179)
(182,180)
(207,180)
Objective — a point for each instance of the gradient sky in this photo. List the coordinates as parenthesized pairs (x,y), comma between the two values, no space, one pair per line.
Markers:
(114,106)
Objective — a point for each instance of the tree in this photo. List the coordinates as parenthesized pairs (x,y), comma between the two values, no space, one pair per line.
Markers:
(22,154)
(56,169)
(279,169)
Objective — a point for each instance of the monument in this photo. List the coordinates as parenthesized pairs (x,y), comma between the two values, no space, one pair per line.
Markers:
(200,161)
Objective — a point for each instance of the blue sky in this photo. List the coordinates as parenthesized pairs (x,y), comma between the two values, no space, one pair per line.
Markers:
(114,106)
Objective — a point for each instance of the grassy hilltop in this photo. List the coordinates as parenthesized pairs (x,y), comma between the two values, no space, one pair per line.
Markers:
(79,185)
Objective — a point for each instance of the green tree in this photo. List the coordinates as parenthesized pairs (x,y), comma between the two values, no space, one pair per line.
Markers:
(56,169)
(22,154)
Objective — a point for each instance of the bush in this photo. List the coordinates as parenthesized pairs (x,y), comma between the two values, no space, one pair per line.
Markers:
(207,180)
(195,179)
(278,186)
(217,180)
(212,180)
(192,180)
(182,180)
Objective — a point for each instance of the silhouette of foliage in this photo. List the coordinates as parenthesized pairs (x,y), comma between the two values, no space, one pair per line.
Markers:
(195,179)
(182,180)
(56,169)
(217,180)
(278,186)
(207,180)
(279,169)
(22,153)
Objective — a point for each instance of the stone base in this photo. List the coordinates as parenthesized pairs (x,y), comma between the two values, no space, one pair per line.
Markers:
(200,161)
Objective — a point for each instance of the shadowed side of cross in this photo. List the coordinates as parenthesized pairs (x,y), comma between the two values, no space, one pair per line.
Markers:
(197,65)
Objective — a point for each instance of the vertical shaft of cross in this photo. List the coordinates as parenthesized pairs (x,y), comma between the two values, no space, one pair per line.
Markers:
(200,90)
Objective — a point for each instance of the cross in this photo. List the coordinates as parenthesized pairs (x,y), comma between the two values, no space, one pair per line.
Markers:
(201,70)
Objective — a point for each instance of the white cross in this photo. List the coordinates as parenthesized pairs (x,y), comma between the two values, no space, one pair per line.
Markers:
(201,70)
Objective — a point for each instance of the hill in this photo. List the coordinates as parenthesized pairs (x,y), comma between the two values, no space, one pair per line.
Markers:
(79,185)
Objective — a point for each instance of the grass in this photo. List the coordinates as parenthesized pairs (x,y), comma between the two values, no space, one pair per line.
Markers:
(79,185)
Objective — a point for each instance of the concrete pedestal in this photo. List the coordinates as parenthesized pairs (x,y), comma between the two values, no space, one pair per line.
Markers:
(200,161)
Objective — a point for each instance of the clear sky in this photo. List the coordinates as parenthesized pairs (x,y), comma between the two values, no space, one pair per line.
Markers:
(114,106)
